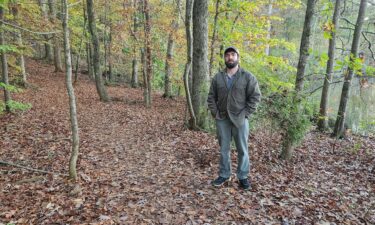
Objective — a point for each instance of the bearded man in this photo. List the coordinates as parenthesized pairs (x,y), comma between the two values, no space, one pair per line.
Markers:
(233,97)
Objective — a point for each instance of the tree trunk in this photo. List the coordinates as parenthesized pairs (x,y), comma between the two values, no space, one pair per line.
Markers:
(56,43)
(288,143)
(80,44)
(145,79)
(147,27)
(214,38)
(110,75)
(341,115)
(323,114)
(20,58)
(72,99)
(269,27)
(4,63)
(134,81)
(96,53)
(168,59)
(47,45)
(189,51)
(200,62)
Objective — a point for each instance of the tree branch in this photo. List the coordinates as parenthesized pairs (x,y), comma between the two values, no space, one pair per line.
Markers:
(316,89)
(27,30)
(369,45)
(346,20)
(28,168)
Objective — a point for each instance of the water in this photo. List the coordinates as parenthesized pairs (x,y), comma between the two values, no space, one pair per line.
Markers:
(361,106)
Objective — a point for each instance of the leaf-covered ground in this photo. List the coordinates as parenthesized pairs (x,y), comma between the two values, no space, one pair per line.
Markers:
(141,166)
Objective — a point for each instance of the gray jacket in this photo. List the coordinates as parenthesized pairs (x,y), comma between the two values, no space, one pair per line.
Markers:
(237,102)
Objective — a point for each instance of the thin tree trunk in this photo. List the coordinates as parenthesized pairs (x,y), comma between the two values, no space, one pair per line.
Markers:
(288,143)
(96,54)
(341,115)
(323,114)
(214,38)
(56,43)
(72,100)
(200,61)
(47,45)
(110,75)
(147,27)
(20,58)
(145,79)
(134,81)
(4,63)
(189,51)
(169,57)
(80,44)
(269,28)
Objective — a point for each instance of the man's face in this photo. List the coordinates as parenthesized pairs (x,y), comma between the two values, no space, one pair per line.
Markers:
(231,59)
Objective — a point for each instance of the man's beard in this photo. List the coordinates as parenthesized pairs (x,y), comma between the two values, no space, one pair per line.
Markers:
(231,65)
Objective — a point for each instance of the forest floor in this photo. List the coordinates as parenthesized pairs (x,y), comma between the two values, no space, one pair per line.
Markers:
(142,166)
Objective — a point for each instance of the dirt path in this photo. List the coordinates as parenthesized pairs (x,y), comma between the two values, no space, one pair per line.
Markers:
(140,166)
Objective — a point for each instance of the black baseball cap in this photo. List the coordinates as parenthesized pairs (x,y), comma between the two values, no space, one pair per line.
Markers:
(231,49)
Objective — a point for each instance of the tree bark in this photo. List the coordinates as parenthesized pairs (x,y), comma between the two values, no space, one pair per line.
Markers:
(47,45)
(288,143)
(269,28)
(96,52)
(56,43)
(189,51)
(169,57)
(214,38)
(20,58)
(4,63)
(147,27)
(134,81)
(72,100)
(200,61)
(341,115)
(145,79)
(323,114)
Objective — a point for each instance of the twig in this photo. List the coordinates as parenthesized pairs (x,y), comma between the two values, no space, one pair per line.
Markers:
(313,91)
(28,168)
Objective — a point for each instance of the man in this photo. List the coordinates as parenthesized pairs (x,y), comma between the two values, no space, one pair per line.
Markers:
(233,97)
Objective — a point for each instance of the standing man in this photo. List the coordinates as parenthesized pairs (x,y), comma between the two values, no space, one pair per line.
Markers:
(233,97)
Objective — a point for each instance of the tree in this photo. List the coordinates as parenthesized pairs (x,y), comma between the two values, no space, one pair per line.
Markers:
(20,59)
(289,141)
(96,52)
(72,100)
(47,46)
(214,38)
(56,43)
(4,62)
(134,81)
(269,26)
(323,114)
(189,52)
(169,57)
(148,60)
(341,115)
(200,61)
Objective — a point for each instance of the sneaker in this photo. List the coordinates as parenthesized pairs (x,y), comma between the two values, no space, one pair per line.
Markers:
(244,184)
(220,181)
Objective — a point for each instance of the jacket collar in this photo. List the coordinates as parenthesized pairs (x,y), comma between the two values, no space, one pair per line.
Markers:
(237,75)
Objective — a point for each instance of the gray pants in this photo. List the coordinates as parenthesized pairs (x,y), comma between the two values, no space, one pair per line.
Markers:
(225,131)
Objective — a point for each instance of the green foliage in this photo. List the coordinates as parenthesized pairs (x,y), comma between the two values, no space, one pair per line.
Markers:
(9,87)
(286,114)
(370,71)
(15,106)
(9,49)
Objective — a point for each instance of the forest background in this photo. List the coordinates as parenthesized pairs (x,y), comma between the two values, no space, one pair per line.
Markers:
(314,60)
